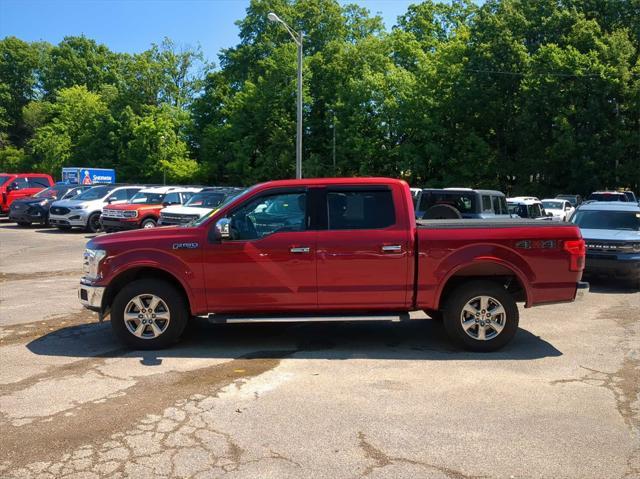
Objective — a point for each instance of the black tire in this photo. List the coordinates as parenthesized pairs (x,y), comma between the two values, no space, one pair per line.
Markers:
(93,223)
(453,310)
(179,313)
(148,223)
(23,223)
(441,212)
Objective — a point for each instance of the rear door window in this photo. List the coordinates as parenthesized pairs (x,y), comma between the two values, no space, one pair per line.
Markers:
(38,182)
(172,198)
(486,204)
(360,210)
(119,195)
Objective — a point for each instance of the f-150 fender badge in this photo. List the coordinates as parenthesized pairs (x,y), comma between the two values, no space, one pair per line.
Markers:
(185,245)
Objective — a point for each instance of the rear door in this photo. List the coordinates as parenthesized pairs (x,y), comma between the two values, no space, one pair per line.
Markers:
(363,254)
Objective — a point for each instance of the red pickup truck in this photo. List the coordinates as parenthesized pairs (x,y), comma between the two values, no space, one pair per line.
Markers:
(14,186)
(330,248)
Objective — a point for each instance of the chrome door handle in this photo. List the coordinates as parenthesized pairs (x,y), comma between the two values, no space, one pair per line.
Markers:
(394,248)
(300,249)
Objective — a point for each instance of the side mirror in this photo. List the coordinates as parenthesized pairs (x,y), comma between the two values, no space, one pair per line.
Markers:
(549,213)
(220,231)
(568,208)
(166,203)
(12,187)
(111,199)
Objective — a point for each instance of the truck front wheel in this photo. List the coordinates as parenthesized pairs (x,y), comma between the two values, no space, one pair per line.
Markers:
(481,316)
(149,314)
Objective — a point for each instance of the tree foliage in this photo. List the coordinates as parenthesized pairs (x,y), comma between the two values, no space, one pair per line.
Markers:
(529,97)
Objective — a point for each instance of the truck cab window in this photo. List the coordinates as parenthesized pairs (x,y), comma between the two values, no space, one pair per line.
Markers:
(267,215)
(357,210)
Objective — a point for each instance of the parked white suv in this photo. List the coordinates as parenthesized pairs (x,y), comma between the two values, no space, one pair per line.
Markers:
(528,207)
(560,209)
(199,205)
(84,210)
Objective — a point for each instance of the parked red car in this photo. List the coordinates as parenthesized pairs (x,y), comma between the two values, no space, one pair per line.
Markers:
(14,186)
(342,248)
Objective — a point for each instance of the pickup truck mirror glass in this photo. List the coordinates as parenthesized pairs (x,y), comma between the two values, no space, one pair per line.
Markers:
(222,228)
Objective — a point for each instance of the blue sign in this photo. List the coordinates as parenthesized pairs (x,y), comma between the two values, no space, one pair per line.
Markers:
(88,176)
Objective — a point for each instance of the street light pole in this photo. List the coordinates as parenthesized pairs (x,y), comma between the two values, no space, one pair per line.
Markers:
(298,39)
(299,131)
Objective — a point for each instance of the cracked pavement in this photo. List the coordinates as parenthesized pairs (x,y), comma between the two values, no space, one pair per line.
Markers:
(334,400)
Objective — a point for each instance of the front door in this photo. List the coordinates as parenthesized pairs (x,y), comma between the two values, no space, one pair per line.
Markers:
(268,261)
(363,255)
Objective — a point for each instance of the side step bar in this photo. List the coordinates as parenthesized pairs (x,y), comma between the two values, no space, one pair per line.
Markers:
(295,318)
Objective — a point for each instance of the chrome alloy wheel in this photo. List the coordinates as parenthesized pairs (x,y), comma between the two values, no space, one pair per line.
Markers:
(483,318)
(147,316)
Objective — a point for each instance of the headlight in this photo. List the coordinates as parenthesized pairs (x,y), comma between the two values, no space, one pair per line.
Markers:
(91,262)
(43,202)
(130,214)
(635,247)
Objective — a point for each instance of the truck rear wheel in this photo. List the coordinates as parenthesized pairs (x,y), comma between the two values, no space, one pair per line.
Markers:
(481,316)
(149,314)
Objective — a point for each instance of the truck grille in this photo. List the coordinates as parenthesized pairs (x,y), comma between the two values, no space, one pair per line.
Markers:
(107,213)
(58,210)
(176,219)
(607,247)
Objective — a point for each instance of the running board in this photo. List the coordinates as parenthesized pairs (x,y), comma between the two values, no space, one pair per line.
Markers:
(296,318)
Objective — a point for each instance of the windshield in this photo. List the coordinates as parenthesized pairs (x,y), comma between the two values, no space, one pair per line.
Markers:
(142,198)
(206,199)
(608,220)
(95,193)
(51,192)
(4,179)
(554,205)
(229,199)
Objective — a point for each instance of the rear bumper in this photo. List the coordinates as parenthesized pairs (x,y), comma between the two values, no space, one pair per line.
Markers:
(91,296)
(116,224)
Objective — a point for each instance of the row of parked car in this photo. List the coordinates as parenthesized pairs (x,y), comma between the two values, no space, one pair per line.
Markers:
(609,221)
(109,207)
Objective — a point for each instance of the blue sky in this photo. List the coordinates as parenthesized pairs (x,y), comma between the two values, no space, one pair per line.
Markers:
(132,25)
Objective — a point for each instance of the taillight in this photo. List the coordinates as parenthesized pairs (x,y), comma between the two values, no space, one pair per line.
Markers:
(577,251)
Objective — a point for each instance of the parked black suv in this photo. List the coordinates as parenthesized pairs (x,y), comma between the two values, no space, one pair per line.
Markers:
(35,209)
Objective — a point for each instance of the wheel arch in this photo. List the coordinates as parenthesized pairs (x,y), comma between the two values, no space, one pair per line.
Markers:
(498,272)
(141,272)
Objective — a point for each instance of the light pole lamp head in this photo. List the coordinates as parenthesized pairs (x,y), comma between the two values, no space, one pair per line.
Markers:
(273,17)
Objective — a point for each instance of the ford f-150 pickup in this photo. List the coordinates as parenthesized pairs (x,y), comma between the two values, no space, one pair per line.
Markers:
(341,248)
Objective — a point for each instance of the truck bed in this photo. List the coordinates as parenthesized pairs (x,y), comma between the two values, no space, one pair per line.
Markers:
(487,224)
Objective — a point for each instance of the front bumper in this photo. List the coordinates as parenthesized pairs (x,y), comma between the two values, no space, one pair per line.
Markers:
(117,224)
(29,215)
(623,266)
(91,296)
(73,218)
(581,290)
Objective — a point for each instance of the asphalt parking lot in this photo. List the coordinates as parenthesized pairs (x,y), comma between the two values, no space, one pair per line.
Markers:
(327,400)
